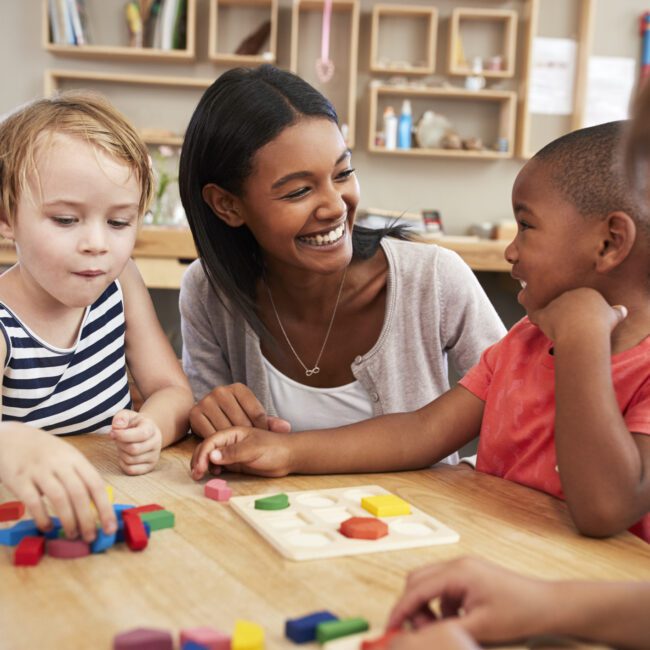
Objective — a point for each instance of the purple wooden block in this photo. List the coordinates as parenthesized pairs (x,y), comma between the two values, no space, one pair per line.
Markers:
(143,638)
(67,549)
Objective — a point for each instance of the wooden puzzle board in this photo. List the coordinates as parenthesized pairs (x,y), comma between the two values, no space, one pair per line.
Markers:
(308,528)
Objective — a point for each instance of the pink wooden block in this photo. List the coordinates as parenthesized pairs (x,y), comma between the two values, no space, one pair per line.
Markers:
(207,637)
(67,549)
(143,639)
(218,490)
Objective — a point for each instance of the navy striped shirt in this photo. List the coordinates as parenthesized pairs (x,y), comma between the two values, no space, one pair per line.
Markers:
(73,390)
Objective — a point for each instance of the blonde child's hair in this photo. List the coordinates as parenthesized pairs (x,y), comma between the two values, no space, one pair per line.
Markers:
(76,113)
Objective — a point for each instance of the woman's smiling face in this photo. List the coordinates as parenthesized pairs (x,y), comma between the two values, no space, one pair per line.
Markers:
(301,197)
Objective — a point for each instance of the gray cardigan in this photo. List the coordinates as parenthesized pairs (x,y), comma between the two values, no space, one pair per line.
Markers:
(435,310)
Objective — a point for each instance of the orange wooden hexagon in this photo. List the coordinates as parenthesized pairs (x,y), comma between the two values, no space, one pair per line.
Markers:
(364,528)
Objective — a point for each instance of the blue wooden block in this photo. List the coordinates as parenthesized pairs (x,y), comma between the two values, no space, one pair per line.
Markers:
(102,541)
(11,536)
(303,630)
(53,533)
(119,508)
(193,645)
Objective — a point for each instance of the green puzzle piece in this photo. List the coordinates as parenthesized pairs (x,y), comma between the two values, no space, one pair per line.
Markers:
(158,519)
(275,502)
(329,630)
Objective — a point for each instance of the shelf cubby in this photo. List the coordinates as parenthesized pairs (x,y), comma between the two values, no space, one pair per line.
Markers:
(492,32)
(410,47)
(233,21)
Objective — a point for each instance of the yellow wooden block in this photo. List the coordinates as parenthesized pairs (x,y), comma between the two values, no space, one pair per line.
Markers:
(109,492)
(386,505)
(247,636)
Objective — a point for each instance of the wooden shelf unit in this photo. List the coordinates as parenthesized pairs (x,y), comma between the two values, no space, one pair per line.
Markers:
(54,78)
(345,57)
(507,20)
(271,7)
(125,52)
(505,99)
(428,15)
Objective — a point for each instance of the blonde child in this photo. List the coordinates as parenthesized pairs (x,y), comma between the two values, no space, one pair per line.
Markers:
(562,403)
(75,180)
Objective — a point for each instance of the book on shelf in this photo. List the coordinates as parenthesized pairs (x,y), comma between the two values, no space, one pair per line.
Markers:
(171,16)
(68,22)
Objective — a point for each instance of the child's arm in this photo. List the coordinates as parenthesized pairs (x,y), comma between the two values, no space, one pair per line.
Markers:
(604,468)
(393,442)
(500,606)
(164,416)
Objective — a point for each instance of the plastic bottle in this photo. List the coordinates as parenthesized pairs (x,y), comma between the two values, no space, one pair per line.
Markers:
(405,126)
(390,128)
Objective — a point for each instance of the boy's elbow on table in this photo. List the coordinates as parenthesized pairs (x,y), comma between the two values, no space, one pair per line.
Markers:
(601,518)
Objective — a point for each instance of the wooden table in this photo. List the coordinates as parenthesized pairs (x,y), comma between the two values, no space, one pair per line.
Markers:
(212,568)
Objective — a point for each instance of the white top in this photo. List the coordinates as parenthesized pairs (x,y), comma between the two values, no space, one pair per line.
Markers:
(306,407)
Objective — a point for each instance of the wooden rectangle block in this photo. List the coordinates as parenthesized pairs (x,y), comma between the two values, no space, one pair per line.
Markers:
(29,551)
(11,510)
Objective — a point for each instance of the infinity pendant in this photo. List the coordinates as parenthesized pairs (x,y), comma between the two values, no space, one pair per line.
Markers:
(314,371)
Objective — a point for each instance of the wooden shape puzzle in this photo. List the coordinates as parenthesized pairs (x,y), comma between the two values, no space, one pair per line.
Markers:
(12,536)
(364,528)
(274,502)
(135,534)
(303,629)
(386,505)
(247,636)
(329,630)
(143,639)
(204,637)
(11,510)
(29,551)
(67,549)
(308,528)
(102,542)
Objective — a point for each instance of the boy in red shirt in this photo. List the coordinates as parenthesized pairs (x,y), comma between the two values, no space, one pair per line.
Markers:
(562,403)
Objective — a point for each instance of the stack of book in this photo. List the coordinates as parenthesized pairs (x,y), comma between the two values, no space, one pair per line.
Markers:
(68,25)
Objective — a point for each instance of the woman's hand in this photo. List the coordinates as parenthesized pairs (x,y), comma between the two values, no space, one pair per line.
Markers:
(234,405)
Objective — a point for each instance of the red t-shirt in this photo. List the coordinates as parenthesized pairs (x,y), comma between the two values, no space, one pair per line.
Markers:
(515,378)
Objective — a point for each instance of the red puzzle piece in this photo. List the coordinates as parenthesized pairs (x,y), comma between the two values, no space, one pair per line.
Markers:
(364,528)
(11,510)
(380,643)
(29,551)
(134,533)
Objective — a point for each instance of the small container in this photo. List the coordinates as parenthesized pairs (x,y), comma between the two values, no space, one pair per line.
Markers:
(405,126)
(432,221)
(390,128)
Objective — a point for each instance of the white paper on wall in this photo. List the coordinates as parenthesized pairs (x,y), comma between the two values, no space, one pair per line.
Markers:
(610,82)
(552,79)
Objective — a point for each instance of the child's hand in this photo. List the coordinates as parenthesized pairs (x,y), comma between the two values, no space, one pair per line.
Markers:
(232,406)
(251,451)
(580,312)
(138,440)
(498,605)
(441,636)
(35,465)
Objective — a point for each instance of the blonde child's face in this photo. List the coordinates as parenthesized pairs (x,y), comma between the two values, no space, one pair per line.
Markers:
(554,248)
(76,228)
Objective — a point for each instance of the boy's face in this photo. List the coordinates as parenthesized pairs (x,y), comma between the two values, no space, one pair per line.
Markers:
(76,227)
(555,245)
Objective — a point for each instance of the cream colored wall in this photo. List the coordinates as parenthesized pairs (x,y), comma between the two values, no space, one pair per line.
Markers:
(464,191)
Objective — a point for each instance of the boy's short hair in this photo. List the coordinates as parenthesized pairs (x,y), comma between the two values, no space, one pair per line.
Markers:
(76,113)
(637,146)
(587,168)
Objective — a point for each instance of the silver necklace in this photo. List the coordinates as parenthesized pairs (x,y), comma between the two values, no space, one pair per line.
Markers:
(316,369)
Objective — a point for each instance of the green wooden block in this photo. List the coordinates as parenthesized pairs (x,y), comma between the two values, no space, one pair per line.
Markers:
(275,502)
(329,630)
(158,519)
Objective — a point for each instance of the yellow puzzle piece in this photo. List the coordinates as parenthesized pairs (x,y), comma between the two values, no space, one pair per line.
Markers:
(386,505)
(247,636)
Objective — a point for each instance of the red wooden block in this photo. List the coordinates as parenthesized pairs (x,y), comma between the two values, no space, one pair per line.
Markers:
(136,511)
(380,643)
(205,637)
(29,551)
(364,528)
(11,510)
(135,534)
(67,549)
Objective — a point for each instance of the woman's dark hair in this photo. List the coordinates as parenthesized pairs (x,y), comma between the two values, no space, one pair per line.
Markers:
(243,110)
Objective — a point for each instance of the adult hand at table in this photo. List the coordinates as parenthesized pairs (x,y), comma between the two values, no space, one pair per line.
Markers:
(243,449)
(490,603)
(234,405)
(441,636)
(35,465)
